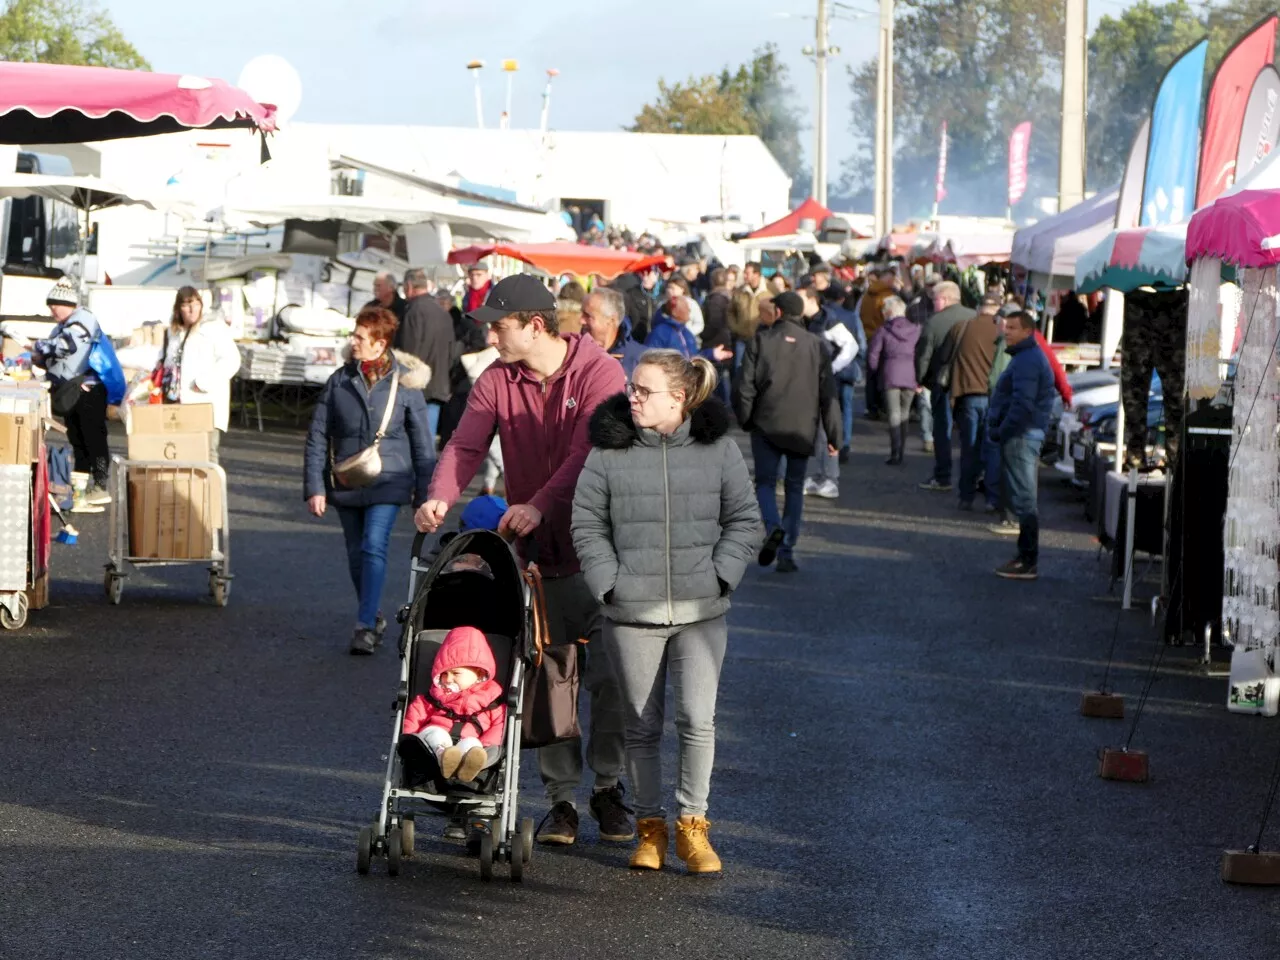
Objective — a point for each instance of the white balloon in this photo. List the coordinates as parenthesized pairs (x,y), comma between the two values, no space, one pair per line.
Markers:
(271,78)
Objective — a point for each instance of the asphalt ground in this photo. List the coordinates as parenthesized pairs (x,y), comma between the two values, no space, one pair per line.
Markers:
(902,770)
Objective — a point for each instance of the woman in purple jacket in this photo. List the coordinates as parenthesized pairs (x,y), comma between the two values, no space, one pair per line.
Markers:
(892,361)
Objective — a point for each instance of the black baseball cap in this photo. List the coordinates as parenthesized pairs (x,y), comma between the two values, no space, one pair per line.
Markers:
(515,294)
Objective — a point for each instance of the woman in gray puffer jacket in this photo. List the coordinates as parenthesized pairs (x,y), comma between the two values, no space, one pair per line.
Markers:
(665,522)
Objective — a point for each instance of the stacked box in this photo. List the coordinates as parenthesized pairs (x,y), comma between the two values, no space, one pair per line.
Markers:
(173,513)
(15,525)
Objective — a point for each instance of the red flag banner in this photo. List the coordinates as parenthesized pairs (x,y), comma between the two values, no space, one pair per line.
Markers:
(1019,147)
(940,186)
(1225,110)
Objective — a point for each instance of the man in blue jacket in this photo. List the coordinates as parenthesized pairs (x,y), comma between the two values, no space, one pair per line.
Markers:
(1017,419)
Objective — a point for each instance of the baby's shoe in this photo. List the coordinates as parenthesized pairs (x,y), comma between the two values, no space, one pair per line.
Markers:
(472,764)
(450,758)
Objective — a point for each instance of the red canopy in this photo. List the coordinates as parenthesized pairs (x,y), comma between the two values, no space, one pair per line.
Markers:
(811,209)
(53,103)
(558,258)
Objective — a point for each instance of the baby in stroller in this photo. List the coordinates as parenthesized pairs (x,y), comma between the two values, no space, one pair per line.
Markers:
(461,714)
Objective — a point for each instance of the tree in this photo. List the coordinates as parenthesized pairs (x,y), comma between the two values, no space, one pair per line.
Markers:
(65,31)
(757,98)
(1127,57)
(983,66)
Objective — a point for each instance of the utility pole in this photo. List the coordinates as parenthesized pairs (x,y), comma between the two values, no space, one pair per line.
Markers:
(820,148)
(1074,89)
(475,66)
(884,124)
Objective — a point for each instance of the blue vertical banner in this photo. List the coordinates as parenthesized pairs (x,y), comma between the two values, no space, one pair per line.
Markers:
(1173,153)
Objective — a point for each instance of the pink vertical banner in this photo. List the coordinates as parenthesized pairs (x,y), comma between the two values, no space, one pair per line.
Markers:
(1019,148)
(940,187)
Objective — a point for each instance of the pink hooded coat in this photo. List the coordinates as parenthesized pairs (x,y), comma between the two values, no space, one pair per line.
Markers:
(462,647)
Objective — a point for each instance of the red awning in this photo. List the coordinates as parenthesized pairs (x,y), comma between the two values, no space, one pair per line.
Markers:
(558,258)
(811,209)
(53,103)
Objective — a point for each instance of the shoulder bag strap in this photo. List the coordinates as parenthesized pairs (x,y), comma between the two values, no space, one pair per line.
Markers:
(386,414)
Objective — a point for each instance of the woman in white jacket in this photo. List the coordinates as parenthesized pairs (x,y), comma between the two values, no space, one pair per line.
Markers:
(198,361)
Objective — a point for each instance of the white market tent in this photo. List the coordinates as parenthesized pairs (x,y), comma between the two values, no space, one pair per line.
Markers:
(1050,248)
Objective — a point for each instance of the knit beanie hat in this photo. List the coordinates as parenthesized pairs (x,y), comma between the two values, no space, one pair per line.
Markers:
(64,291)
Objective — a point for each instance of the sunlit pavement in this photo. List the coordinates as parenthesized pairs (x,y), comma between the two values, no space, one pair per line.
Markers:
(902,771)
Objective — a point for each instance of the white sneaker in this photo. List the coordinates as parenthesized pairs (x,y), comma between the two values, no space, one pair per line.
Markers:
(810,486)
(97,497)
(82,505)
(827,490)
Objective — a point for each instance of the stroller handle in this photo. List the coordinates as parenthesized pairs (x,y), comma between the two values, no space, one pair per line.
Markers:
(529,546)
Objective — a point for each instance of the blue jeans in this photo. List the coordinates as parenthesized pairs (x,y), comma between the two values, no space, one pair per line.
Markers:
(1021,457)
(992,469)
(846,414)
(367,531)
(433,420)
(767,458)
(971,425)
(941,405)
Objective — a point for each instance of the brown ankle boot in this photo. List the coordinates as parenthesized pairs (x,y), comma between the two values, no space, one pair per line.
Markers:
(693,846)
(651,851)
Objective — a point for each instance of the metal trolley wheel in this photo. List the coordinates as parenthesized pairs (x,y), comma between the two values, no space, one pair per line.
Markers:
(219,588)
(113,583)
(14,621)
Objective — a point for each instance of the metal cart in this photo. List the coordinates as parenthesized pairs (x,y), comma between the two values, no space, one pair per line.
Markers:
(15,537)
(172,514)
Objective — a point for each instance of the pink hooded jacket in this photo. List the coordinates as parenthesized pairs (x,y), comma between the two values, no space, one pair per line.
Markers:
(462,647)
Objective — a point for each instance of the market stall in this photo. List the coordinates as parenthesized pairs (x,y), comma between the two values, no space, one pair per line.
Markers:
(52,103)
(1048,250)
(1240,233)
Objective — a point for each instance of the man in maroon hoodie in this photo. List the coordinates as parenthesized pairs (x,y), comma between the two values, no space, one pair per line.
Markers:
(539,396)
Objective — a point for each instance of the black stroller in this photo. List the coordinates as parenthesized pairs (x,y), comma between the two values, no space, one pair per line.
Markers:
(475,581)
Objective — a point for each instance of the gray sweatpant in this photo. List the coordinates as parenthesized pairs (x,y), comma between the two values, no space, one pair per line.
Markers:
(572,614)
(643,657)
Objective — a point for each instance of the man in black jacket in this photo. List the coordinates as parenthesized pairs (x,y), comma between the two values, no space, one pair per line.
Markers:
(427,333)
(785,390)
(934,357)
(385,295)
(715,326)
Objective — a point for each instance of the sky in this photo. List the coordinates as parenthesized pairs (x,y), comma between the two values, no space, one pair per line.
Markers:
(404,61)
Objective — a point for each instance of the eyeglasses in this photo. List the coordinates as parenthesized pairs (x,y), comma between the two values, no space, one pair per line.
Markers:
(642,393)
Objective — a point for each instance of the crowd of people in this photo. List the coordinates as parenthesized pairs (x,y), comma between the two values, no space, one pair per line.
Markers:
(608,409)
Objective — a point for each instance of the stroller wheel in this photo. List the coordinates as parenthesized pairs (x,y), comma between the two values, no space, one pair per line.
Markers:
(406,837)
(526,838)
(515,854)
(486,856)
(395,846)
(364,850)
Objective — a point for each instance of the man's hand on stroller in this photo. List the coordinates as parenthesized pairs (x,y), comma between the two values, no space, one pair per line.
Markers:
(521,520)
(430,515)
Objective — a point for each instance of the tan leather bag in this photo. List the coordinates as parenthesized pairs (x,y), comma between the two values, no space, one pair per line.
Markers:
(361,469)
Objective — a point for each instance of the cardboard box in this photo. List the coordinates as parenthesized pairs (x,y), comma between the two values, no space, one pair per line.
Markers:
(171,418)
(169,446)
(173,513)
(20,435)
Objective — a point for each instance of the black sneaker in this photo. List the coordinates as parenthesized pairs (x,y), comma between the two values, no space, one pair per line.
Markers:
(771,544)
(1017,570)
(363,642)
(934,485)
(560,825)
(379,626)
(456,829)
(786,565)
(612,814)
(844,455)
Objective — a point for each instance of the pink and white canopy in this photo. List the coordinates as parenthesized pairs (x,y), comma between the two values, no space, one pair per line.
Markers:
(1243,225)
(53,103)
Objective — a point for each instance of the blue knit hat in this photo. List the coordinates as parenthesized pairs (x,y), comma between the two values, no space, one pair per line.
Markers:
(483,513)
